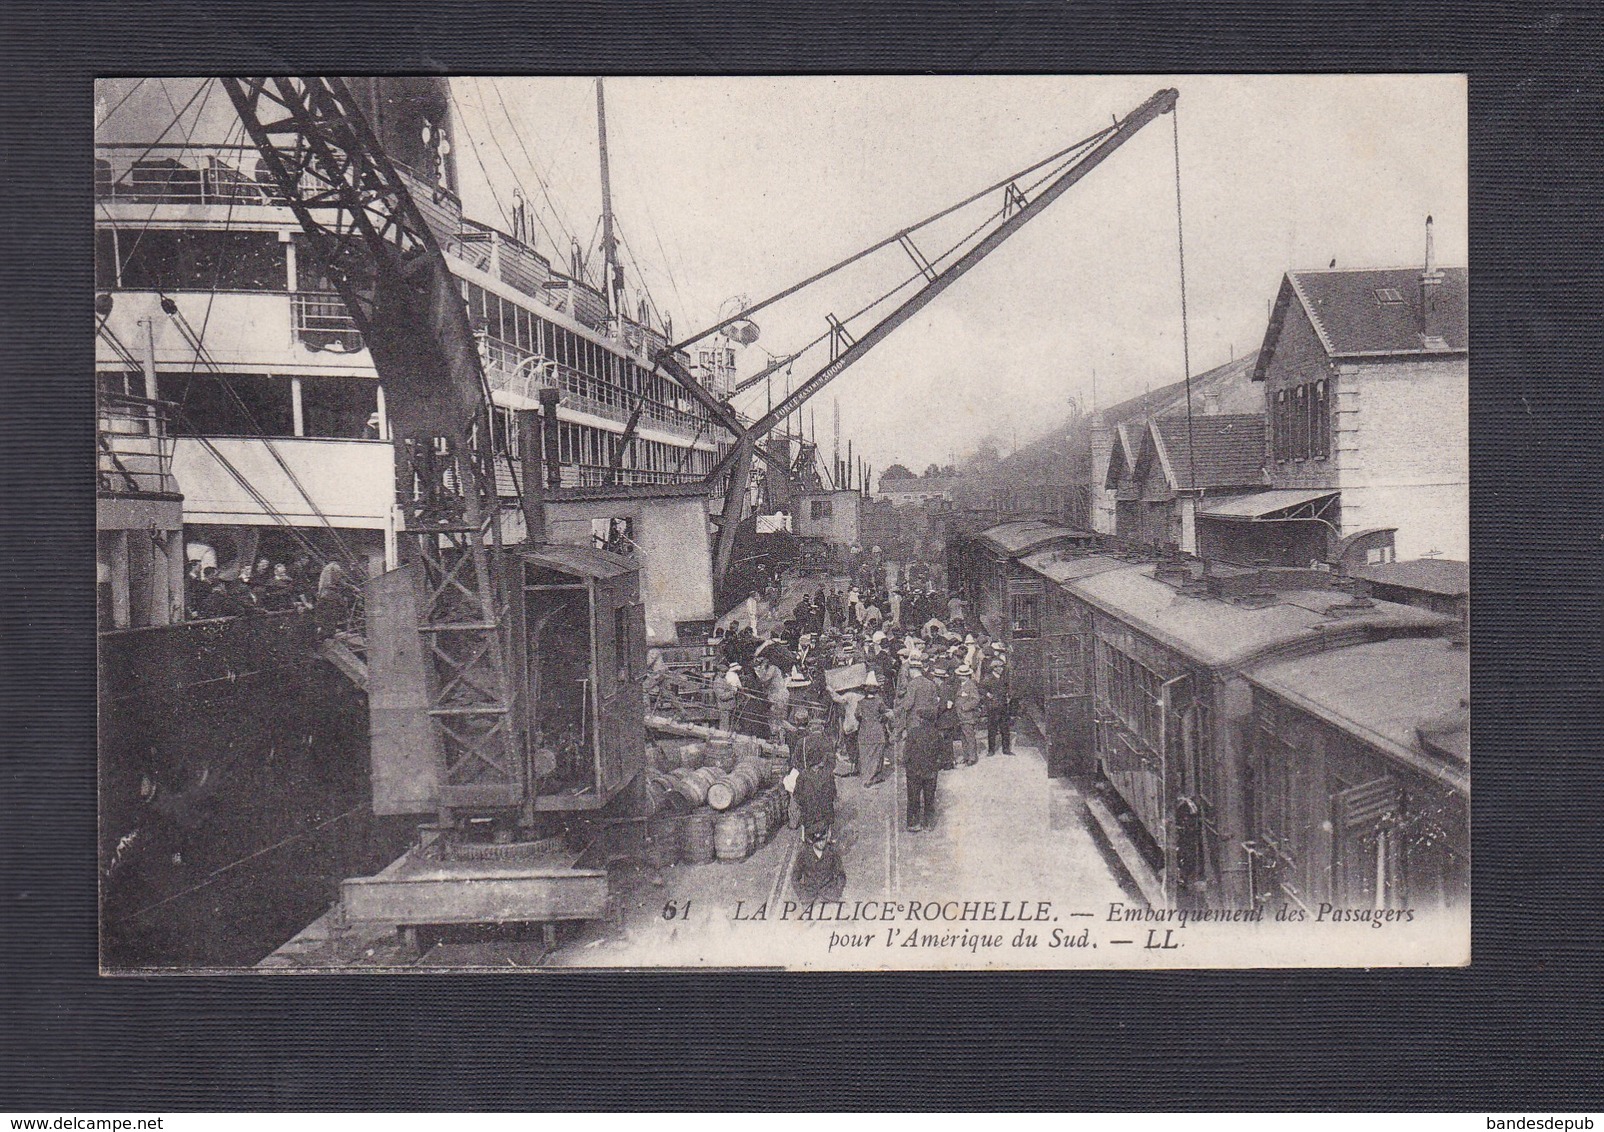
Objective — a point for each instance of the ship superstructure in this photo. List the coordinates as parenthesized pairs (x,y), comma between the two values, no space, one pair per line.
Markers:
(211,304)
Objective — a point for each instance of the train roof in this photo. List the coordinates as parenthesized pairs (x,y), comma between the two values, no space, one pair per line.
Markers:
(1021,536)
(1443,576)
(1221,633)
(1409,697)
(1053,566)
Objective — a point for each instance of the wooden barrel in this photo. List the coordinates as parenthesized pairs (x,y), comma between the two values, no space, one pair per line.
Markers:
(664,841)
(692,755)
(762,822)
(697,842)
(732,837)
(778,768)
(721,753)
(658,787)
(692,785)
(747,746)
(735,787)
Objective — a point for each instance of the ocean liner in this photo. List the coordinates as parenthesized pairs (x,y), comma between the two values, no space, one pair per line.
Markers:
(244,447)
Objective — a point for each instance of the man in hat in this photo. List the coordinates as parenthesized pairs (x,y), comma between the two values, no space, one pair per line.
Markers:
(967,701)
(948,723)
(922,757)
(819,877)
(813,789)
(996,702)
(726,689)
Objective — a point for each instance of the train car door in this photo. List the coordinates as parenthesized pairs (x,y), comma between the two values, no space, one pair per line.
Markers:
(1366,862)
(1067,687)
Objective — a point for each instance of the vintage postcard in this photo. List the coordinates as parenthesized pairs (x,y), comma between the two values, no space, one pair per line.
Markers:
(818,523)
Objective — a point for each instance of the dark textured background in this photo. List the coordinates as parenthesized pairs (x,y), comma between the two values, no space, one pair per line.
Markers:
(1521,1028)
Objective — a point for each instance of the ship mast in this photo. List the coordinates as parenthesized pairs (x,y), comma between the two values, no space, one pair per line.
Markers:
(613,285)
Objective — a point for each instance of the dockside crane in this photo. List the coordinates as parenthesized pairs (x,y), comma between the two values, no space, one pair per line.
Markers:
(1017,207)
(368,227)
(376,247)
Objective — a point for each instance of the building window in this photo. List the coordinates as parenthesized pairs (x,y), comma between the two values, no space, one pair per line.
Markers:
(1320,409)
(1300,423)
(821,510)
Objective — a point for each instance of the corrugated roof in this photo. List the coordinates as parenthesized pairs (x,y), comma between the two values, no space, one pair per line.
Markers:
(1019,537)
(1430,575)
(1220,451)
(1353,317)
(581,561)
(1384,691)
(1216,632)
(1263,503)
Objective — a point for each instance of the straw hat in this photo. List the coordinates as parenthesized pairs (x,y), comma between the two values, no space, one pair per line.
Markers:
(965,670)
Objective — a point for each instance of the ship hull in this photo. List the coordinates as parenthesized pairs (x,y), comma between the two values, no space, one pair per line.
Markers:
(234,790)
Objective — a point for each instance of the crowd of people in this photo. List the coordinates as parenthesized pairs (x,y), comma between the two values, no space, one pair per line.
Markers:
(884,670)
(273,587)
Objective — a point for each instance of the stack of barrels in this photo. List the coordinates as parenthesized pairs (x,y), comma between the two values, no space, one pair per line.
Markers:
(713,800)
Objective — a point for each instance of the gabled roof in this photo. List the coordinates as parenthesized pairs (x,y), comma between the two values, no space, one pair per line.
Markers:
(1219,451)
(1374,312)
(1122,458)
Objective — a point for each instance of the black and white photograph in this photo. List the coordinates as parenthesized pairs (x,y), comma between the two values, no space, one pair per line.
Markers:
(869,523)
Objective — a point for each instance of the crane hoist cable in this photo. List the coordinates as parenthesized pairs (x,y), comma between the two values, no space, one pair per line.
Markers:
(1186,347)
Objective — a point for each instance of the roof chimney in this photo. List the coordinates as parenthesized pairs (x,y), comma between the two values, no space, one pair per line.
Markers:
(1430,281)
(1211,403)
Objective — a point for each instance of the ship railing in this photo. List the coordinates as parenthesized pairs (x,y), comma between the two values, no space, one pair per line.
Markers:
(134,444)
(321,320)
(187,174)
(512,369)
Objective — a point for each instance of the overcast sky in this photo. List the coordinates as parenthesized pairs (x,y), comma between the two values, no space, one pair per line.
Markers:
(727,187)
(742,186)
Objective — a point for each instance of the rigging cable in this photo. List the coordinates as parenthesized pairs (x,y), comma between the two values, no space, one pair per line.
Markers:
(473,146)
(545,190)
(539,213)
(120,101)
(951,251)
(144,227)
